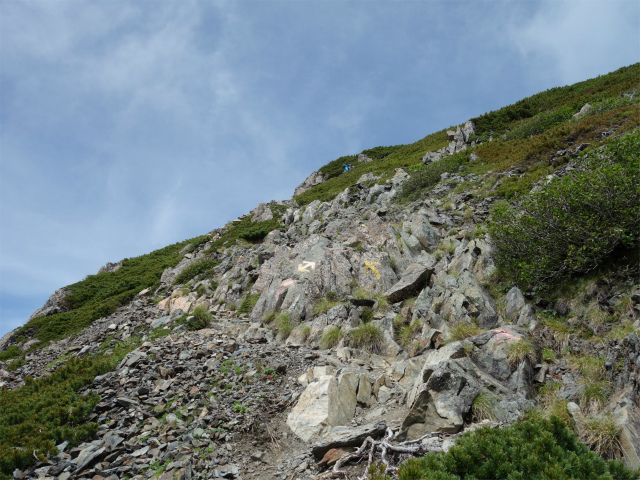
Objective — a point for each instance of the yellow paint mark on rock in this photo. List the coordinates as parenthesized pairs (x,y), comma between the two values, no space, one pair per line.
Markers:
(370,266)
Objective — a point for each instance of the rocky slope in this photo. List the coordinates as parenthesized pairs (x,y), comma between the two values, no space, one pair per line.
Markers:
(362,316)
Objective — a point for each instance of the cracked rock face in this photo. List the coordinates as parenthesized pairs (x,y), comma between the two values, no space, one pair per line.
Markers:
(326,402)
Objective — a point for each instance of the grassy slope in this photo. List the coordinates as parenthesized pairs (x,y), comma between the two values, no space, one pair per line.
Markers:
(499,154)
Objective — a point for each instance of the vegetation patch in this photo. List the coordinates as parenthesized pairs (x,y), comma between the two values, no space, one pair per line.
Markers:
(463,330)
(204,268)
(13,351)
(602,435)
(368,337)
(484,407)
(325,304)
(521,350)
(401,156)
(248,302)
(572,96)
(425,177)
(201,318)
(532,449)
(576,222)
(100,295)
(245,229)
(48,411)
(331,338)
(539,123)
(283,324)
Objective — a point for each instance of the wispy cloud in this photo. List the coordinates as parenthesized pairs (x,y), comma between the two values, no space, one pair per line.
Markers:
(126,126)
(573,40)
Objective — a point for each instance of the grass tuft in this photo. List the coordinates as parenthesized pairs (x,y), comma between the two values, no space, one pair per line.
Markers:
(368,337)
(331,338)
(521,350)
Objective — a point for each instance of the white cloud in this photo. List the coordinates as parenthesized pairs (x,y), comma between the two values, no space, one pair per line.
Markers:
(574,40)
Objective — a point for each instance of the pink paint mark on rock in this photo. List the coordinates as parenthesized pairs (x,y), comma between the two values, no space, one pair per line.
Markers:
(284,285)
(502,334)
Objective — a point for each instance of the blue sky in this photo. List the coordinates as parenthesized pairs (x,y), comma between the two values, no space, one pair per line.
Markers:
(126,126)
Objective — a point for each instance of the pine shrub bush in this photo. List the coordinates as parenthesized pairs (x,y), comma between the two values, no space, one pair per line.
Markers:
(575,223)
(535,449)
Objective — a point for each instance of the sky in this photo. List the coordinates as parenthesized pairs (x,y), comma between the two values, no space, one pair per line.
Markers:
(126,126)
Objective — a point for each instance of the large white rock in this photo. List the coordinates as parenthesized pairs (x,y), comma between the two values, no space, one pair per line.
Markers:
(326,402)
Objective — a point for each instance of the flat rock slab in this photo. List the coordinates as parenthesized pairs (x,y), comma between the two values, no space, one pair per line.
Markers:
(340,437)
(362,302)
(413,280)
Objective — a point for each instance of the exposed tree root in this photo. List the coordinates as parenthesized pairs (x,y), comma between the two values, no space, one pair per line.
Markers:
(385,450)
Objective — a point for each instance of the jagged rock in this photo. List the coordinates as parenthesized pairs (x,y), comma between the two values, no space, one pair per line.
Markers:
(126,402)
(225,471)
(629,420)
(326,402)
(527,318)
(443,397)
(421,228)
(493,349)
(316,178)
(412,281)
(88,457)
(262,213)
(55,304)
(364,390)
(583,111)
(450,380)
(460,299)
(513,303)
(111,267)
(468,130)
(256,334)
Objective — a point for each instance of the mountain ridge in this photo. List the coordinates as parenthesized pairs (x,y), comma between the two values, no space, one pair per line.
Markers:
(372,303)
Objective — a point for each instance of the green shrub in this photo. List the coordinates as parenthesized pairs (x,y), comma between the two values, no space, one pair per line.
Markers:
(269,317)
(203,267)
(368,337)
(576,222)
(11,352)
(245,229)
(575,96)
(47,411)
(335,168)
(427,176)
(611,103)
(540,122)
(331,338)
(248,302)
(16,364)
(533,449)
(258,231)
(201,318)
